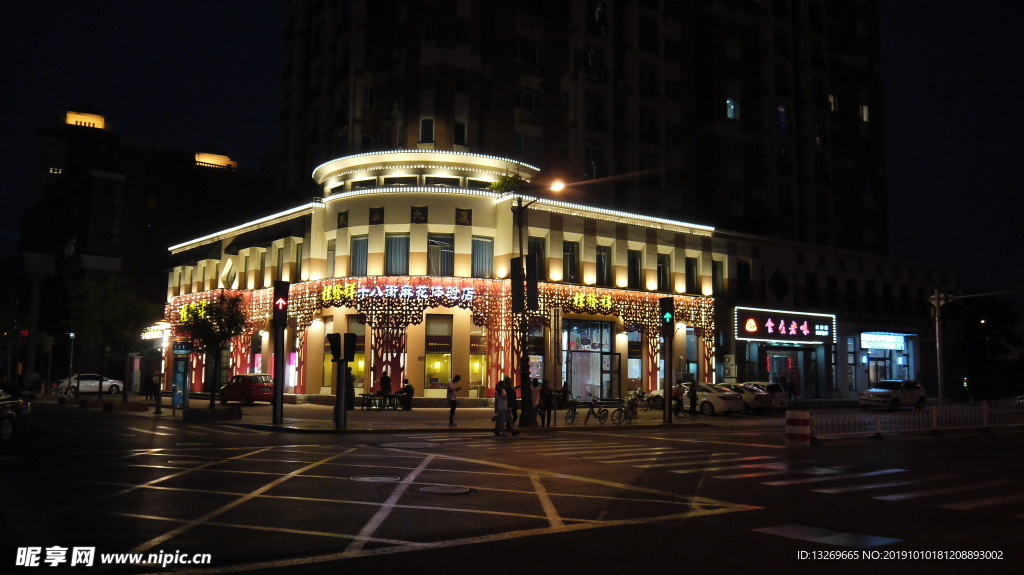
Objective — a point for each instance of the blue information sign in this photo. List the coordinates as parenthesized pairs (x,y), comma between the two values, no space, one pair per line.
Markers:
(179,383)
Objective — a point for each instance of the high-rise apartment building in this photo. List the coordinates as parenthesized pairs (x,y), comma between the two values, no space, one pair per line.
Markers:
(762,116)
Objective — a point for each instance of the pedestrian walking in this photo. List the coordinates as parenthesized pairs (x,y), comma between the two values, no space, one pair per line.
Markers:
(149,386)
(535,397)
(504,399)
(547,402)
(513,405)
(453,399)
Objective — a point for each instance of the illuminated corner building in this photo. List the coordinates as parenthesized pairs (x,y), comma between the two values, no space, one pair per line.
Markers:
(106,206)
(763,116)
(410,250)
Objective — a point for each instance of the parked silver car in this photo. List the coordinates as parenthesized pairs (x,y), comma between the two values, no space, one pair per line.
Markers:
(775,392)
(894,394)
(754,399)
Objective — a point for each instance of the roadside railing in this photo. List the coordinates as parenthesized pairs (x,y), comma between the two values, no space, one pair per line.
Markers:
(979,415)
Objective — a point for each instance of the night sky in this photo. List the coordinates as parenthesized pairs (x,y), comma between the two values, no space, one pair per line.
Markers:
(190,74)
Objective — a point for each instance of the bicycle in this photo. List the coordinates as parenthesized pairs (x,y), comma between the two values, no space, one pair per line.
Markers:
(626,411)
(599,413)
(570,411)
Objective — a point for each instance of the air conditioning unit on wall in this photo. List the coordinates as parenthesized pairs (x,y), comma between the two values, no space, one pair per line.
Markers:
(730,371)
(729,359)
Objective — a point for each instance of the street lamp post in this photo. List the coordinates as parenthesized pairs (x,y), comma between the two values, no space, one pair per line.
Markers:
(528,416)
(71,361)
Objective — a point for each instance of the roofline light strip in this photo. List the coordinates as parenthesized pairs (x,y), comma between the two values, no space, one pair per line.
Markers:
(255,223)
(419,151)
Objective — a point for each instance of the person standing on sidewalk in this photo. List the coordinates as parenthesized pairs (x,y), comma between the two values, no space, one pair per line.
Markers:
(500,409)
(453,398)
(385,383)
(692,393)
(407,393)
(547,402)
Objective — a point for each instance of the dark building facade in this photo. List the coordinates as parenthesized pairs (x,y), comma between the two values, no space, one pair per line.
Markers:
(107,207)
(759,116)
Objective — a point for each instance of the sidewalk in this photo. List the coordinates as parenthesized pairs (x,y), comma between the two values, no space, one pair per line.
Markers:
(312,418)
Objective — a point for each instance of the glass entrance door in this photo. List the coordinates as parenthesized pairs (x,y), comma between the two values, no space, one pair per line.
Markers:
(611,383)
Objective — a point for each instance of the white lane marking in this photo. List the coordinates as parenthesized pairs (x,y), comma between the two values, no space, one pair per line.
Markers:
(624,451)
(576,451)
(203,427)
(371,526)
(945,490)
(697,440)
(666,458)
(147,431)
(833,477)
(189,431)
(685,463)
(244,430)
(229,506)
(883,485)
(545,502)
(653,451)
(985,502)
(706,469)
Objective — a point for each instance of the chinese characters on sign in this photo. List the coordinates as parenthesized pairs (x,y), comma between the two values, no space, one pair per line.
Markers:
(777,325)
(353,291)
(592,302)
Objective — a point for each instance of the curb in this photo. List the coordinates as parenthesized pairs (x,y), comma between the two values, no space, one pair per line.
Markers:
(529,430)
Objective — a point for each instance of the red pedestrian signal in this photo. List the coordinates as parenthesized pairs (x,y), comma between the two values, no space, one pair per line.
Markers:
(281,303)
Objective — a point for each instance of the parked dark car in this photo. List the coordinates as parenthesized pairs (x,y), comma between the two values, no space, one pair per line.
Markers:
(13,411)
(248,388)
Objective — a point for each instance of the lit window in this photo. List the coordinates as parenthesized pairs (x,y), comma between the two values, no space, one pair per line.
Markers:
(396,254)
(483,257)
(833,102)
(732,109)
(571,262)
(357,259)
(441,254)
(863,113)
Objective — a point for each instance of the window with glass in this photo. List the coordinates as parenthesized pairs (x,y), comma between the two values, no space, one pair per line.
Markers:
(635,265)
(331,250)
(571,262)
(483,257)
(426,130)
(396,254)
(535,245)
(441,254)
(604,266)
(718,277)
(359,365)
(438,356)
(664,272)
(358,255)
(732,109)
(692,277)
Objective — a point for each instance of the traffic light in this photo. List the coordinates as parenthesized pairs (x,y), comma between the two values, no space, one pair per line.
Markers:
(280,303)
(518,303)
(667,316)
(532,293)
(350,347)
(335,340)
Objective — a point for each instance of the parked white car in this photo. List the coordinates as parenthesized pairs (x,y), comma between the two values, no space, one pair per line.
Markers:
(775,392)
(89,383)
(894,394)
(753,398)
(713,399)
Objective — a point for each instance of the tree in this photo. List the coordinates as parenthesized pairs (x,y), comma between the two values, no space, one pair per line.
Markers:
(211,326)
(108,314)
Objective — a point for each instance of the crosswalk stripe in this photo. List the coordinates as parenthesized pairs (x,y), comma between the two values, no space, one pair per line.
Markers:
(833,477)
(682,463)
(622,451)
(749,475)
(148,431)
(588,449)
(183,430)
(706,469)
(985,502)
(664,458)
(945,490)
(654,451)
(883,485)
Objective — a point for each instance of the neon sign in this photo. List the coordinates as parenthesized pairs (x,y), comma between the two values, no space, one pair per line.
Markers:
(754,324)
(394,291)
(592,301)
